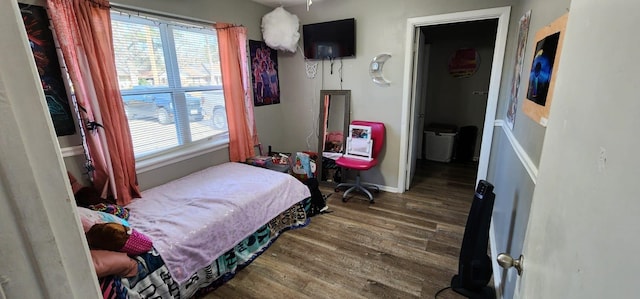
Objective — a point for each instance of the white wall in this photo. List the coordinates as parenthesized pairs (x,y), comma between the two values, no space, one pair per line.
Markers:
(292,125)
(243,12)
(529,133)
(582,235)
(515,155)
(380,28)
(42,249)
(515,180)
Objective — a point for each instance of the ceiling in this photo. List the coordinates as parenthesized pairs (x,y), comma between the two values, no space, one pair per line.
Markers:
(285,3)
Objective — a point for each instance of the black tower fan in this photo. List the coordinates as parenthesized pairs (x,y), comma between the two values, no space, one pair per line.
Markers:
(474,265)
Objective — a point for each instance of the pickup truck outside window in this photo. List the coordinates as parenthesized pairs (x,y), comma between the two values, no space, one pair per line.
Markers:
(170,81)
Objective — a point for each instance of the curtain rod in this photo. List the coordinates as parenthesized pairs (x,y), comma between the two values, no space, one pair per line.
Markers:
(162,14)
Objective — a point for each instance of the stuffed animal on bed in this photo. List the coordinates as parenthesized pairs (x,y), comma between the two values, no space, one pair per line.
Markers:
(112,240)
(117,237)
(108,232)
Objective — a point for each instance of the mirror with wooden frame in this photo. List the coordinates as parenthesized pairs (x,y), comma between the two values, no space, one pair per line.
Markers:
(333,126)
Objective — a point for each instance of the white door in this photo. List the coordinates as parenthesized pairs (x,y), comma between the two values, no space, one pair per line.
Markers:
(582,237)
(43,253)
(417,104)
(406,134)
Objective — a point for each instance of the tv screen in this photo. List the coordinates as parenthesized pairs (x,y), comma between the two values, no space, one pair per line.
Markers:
(330,39)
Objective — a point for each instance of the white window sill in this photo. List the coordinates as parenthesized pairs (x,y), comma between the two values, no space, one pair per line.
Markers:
(71,151)
(154,162)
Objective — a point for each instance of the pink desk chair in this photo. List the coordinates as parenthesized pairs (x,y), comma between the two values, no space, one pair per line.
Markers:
(364,142)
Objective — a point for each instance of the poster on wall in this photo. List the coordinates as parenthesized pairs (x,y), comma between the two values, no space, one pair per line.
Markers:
(544,65)
(464,63)
(40,37)
(523,32)
(264,74)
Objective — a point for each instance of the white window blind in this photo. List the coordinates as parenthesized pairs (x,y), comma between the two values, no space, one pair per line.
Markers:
(170,80)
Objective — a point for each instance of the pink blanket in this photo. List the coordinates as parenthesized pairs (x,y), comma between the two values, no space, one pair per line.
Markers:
(197,218)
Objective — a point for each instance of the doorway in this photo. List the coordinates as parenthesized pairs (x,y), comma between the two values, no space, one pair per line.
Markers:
(452,92)
(410,116)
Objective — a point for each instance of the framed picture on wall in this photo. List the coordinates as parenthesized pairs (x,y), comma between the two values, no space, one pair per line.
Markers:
(264,74)
(523,32)
(542,74)
(463,63)
(36,22)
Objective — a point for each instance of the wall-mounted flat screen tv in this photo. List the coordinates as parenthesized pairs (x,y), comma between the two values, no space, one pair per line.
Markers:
(330,40)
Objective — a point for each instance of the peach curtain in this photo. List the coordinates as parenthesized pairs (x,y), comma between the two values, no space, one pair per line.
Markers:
(83,29)
(232,43)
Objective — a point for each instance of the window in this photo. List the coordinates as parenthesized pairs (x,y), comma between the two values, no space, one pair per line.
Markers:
(170,80)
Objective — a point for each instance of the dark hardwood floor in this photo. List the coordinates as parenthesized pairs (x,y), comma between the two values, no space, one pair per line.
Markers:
(402,246)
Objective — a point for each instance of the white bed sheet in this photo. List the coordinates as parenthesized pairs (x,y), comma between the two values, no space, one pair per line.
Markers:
(195,219)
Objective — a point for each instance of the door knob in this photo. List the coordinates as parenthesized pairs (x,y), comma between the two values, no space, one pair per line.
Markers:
(506,261)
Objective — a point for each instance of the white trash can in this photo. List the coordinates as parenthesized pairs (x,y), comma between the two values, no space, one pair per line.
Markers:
(439,145)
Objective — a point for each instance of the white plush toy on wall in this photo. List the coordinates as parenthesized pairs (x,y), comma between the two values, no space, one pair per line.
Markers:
(280,30)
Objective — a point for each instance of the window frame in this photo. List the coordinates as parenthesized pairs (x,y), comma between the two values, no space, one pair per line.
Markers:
(186,148)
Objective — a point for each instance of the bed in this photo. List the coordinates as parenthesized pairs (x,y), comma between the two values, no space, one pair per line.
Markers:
(206,226)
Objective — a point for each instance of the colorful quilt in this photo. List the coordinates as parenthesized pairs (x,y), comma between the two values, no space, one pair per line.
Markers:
(155,281)
(197,218)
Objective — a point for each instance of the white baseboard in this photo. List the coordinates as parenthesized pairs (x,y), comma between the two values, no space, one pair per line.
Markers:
(388,189)
(381,187)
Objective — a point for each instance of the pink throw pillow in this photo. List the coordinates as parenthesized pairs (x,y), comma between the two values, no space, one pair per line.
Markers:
(137,243)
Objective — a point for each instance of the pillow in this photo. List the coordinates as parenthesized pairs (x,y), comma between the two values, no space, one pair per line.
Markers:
(90,217)
(113,263)
(117,237)
(112,209)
